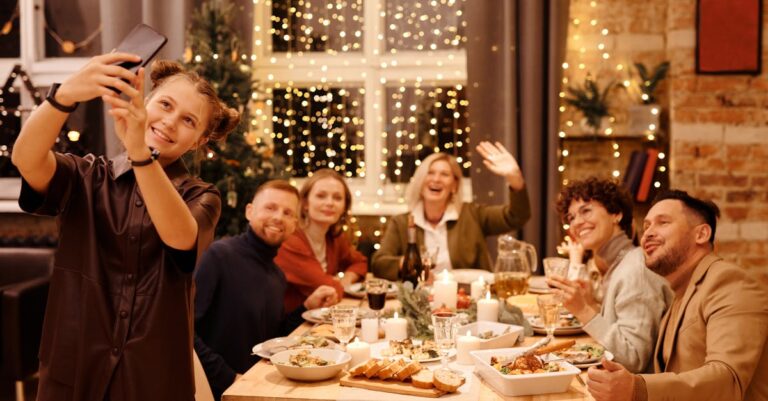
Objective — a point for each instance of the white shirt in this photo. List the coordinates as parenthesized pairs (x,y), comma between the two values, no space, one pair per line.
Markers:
(436,237)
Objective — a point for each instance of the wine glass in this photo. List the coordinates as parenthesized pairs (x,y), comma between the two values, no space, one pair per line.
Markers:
(376,290)
(549,311)
(445,328)
(554,266)
(344,319)
(428,262)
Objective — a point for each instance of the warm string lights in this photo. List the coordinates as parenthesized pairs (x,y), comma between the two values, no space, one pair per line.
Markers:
(589,51)
(339,110)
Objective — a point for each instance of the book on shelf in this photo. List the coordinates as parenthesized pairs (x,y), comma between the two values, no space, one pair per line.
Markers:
(648,173)
(634,172)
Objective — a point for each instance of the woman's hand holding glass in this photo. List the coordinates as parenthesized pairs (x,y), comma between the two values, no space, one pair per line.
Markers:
(576,296)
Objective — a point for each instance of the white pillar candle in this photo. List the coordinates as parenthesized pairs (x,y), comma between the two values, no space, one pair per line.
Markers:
(396,328)
(360,351)
(445,291)
(488,309)
(465,344)
(477,288)
(369,330)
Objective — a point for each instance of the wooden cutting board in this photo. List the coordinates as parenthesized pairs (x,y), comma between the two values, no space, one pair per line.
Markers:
(389,386)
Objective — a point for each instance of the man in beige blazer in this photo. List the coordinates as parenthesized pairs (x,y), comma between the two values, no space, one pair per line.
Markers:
(712,340)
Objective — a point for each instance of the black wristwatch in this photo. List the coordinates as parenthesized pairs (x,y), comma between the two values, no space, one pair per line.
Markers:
(51,98)
(153,155)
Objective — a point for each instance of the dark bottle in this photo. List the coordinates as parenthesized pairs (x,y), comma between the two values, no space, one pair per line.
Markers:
(412,268)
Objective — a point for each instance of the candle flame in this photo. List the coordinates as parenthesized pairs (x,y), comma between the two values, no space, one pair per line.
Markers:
(445,276)
(488,295)
(481,280)
(395,315)
(357,339)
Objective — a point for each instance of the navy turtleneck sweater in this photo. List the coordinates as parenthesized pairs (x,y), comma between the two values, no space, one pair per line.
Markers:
(238,304)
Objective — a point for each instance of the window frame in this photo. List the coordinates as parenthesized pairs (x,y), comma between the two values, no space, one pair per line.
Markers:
(373,69)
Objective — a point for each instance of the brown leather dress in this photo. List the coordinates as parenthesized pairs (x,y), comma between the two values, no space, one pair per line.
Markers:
(119,319)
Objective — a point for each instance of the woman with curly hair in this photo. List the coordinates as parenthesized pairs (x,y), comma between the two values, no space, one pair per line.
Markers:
(320,249)
(599,216)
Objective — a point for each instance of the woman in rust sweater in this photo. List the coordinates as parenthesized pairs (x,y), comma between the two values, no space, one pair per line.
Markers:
(320,249)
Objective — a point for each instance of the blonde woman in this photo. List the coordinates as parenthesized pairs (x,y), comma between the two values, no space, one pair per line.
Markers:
(320,249)
(445,223)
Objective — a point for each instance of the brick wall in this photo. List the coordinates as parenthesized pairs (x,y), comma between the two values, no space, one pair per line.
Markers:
(718,125)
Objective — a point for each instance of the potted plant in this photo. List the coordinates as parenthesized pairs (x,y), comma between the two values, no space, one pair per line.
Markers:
(644,118)
(592,102)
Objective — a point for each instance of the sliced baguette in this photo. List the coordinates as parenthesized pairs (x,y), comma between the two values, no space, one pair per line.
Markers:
(376,367)
(360,369)
(555,347)
(389,371)
(423,379)
(448,381)
(407,370)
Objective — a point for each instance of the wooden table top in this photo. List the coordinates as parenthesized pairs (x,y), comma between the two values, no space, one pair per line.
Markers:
(264,383)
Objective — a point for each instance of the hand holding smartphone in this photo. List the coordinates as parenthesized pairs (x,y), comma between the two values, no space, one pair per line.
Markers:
(142,41)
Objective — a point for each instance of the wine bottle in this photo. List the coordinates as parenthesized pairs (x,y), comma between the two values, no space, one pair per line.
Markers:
(412,268)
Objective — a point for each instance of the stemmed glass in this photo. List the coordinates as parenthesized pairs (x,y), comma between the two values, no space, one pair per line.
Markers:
(428,262)
(344,319)
(376,289)
(445,327)
(549,311)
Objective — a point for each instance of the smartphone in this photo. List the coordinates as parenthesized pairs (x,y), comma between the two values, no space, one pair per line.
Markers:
(142,41)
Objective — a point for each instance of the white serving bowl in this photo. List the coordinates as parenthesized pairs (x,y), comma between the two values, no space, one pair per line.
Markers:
(530,384)
(507,339)
(337,361)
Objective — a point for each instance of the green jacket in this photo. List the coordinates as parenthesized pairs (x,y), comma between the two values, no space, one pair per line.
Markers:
(466,236)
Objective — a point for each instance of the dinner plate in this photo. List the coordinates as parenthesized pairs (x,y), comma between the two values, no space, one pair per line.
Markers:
(588,363)
(538,285)
(278,344)
(538,328)
(379,347)
(323,315)
(357,290)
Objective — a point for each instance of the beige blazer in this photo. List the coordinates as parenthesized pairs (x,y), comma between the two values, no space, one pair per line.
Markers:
(718,349)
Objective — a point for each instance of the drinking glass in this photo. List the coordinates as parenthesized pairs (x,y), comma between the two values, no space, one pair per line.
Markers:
(376,289)
(344,319)
(445,327)
(428,262)
(549,312)
(554,266)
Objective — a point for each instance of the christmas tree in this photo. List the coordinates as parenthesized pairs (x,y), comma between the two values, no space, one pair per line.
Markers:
(241,163)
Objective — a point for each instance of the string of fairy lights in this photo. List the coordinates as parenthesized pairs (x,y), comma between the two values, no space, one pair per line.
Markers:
(588,44)
(322,124)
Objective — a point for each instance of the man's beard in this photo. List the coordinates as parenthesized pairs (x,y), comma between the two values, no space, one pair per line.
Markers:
(667,263)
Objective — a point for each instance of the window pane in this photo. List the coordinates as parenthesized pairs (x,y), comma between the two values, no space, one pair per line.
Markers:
(423,120)
(320,127)
(425,25)
(72,28)
(317,26)
(9,30)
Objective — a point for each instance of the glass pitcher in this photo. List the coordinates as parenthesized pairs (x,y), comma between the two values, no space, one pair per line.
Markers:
(514,263)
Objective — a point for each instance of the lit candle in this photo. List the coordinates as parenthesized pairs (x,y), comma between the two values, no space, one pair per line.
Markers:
(477,288)
(465,344)
(445,290)
(360,351)
(369,330)
(396,328)
(488,309)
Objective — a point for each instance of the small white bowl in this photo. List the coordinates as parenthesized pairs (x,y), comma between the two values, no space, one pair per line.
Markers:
(529,384)
(337,361)
(507,339)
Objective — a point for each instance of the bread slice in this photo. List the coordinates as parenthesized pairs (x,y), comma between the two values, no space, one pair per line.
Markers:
(361,367)
(407,370)
(448,381)
(376,367)
(389,371)
(423,379)
(555,347)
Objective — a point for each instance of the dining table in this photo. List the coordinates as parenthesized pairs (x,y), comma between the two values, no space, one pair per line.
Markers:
(264,383)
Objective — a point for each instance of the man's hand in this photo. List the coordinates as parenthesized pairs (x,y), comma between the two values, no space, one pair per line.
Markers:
(323,296)
(614,383)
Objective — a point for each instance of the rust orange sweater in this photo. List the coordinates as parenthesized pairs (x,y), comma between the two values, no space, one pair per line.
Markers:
(303,270)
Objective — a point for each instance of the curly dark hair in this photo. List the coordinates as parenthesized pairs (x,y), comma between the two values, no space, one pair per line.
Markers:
(614,198)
